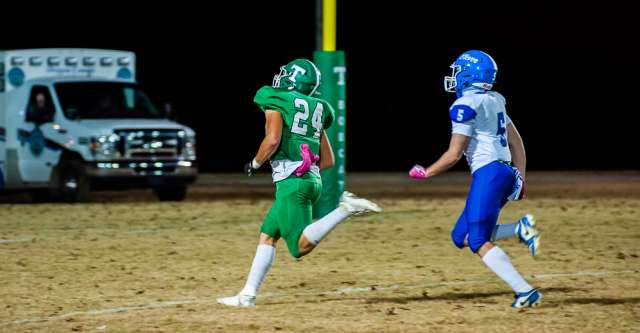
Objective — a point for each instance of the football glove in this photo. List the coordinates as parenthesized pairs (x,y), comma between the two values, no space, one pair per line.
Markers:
(251,168)
(418,172)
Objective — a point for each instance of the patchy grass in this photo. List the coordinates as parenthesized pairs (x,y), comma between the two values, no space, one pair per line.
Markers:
(140,265)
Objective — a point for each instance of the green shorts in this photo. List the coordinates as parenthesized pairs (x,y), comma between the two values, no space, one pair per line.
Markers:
(292,210)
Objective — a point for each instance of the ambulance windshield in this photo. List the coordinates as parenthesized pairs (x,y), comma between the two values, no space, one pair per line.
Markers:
(100,100)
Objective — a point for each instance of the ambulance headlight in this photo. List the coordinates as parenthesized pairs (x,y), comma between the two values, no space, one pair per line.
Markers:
(189,147)
(106,147)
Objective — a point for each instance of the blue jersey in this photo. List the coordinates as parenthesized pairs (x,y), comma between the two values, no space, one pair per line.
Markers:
(482,116)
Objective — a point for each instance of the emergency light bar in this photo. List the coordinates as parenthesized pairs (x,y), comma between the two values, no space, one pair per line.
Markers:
(106,61)
(124,61)
(19,66)
(17,61)
(88,61)
(35,61)
(69,61)
(53,61)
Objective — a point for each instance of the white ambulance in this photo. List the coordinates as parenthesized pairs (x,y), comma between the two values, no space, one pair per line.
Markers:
(72,120)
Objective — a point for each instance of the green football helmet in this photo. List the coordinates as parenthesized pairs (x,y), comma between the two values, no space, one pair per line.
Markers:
(301,75)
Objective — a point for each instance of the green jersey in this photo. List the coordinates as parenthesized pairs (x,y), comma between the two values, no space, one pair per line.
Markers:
(304,118)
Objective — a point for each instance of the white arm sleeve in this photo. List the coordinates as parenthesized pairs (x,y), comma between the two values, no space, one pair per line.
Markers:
(465,128)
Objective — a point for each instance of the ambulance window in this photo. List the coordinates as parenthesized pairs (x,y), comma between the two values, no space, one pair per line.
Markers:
(103,100)
(40,109)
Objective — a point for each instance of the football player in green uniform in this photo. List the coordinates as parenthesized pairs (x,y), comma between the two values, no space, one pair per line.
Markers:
(297,147)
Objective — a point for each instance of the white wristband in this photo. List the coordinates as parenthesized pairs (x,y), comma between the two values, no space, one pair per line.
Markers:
(255,164)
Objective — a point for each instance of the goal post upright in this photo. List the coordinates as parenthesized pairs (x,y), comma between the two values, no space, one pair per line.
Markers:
(332,66)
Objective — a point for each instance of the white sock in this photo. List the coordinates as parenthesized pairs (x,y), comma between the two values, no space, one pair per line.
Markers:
(499,263)
(259,268)
(319,229)
(501,231)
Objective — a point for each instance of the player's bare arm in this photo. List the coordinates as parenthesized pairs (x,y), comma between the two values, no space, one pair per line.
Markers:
(457,146)
(270,142)
(518,155)
(272,137)
(327,159)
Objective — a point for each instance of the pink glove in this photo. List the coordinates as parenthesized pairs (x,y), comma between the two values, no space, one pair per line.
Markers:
(308,158)
(418,172)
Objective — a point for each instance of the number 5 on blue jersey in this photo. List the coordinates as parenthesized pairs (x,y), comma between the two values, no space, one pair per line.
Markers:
(502,129)
(461,113)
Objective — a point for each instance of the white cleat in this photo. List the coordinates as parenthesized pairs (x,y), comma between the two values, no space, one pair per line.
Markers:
(355,205)
(238,300)
(528,233)
(530,299)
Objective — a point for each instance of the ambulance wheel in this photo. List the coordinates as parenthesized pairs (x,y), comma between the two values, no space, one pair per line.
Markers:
(170,193)
(73,183)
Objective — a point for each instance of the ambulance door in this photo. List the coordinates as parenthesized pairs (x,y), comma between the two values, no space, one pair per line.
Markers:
(37,154)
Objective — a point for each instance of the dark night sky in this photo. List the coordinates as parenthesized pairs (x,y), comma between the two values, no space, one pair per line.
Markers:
(566,71)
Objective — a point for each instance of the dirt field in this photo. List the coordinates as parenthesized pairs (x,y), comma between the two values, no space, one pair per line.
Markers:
(129,264)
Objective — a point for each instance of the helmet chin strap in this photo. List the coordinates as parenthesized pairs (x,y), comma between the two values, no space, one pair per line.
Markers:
(482,85)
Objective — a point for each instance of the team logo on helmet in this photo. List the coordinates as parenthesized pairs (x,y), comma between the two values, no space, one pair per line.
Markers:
(301,75)
(296,70)
(467,57)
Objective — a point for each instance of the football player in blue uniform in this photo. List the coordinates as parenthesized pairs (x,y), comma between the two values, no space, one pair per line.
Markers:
(482,131)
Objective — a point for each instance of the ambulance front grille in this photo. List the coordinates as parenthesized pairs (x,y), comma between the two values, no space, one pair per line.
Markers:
(148,144)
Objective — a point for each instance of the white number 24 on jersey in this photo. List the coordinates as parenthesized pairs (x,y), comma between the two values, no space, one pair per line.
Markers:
(303,115)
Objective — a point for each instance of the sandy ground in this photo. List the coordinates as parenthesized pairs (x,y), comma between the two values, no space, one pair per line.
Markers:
(126,263)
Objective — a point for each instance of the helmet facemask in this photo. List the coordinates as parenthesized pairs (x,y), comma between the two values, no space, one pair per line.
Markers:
(450,82)
(278,77)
